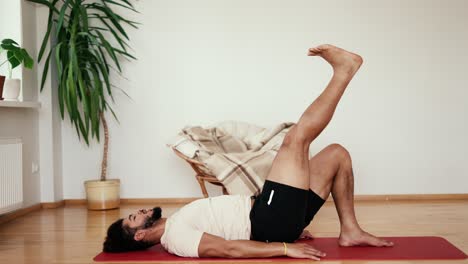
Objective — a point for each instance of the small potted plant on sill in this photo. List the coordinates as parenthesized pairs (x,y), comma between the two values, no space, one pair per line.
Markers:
(90,40)
(15,56)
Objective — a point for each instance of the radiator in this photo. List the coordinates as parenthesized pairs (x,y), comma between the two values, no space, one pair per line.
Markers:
(11,174)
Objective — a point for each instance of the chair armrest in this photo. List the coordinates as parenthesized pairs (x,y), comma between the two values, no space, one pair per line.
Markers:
(178,153)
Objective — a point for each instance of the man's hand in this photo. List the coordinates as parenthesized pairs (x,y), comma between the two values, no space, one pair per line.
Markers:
(306,235)
(301,250)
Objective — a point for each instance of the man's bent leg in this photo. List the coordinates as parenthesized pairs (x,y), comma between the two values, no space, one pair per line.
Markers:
(331,171)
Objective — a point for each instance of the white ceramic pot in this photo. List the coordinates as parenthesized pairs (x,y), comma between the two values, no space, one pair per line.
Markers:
(11,89)
(102,195)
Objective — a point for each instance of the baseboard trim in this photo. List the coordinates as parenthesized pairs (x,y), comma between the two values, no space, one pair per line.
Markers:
(20,212)
(74,201)
(410,197)
(53,205)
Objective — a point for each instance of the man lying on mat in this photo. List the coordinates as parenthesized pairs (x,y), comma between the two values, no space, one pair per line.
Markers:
(235,226)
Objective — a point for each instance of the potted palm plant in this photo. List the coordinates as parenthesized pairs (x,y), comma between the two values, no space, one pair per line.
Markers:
(84,57)
(15,56)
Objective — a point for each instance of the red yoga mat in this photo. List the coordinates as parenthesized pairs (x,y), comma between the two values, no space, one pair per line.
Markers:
(406,248)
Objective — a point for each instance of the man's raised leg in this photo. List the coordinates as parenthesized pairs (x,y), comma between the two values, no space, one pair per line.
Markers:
(291,164)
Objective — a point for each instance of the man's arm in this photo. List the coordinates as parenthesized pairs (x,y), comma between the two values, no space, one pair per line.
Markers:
(214,246)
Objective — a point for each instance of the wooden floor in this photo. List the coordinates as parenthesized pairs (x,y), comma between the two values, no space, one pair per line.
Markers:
(73,234)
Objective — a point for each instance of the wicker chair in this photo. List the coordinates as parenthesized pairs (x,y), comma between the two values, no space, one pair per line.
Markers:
(200,175)
(197,143)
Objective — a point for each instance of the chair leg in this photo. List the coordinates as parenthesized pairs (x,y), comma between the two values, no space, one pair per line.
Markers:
(203,188)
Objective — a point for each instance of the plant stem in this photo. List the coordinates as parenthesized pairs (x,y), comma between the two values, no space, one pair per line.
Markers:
(106,148)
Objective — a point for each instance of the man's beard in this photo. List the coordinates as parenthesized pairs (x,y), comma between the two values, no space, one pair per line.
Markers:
(155,217)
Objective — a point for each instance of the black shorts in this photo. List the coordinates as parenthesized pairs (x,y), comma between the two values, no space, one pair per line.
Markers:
(281,212)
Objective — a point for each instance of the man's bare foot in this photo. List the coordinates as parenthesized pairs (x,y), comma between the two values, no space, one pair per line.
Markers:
(361,238)
(341,60)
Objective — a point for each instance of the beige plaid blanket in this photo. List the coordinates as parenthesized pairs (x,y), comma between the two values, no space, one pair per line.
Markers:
(238,154)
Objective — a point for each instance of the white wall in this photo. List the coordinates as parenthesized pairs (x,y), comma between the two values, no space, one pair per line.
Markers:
(50,125)
(40,129)
(403,117)
(19,20)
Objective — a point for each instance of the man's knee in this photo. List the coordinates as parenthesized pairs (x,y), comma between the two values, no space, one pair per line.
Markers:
(295,138)
(339,152)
